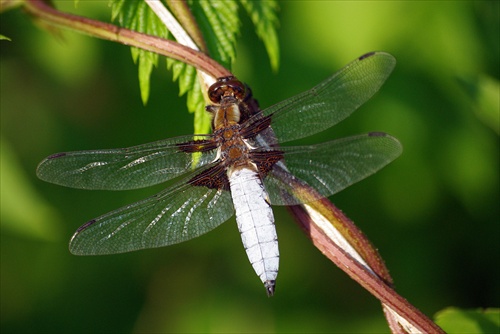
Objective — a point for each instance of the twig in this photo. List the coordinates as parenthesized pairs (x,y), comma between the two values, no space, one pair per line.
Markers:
(171,23)
(180,34)
(41,10)
(183,14)
(312,218)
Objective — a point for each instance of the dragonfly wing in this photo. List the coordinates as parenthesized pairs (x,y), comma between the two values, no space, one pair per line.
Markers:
(172,216)
(127,168)
(331,101)
(329,167)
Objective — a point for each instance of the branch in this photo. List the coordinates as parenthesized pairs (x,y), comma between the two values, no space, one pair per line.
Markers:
(318,220)
(172,24)
(41,10)
(180,34)
(183,13)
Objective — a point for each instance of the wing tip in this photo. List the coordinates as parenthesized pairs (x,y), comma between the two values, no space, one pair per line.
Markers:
(395,142)
(72,246)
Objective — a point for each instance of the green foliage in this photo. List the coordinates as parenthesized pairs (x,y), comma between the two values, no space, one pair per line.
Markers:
(455,320)
(188,83)
(220,26)
(137,15)
(263,16)
(219,23)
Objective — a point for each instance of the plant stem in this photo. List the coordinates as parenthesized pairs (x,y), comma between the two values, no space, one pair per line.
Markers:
(41,10)
(172,24)
(375,283)
(183,13)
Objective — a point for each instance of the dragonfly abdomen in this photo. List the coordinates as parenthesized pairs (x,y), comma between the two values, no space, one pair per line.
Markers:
(255,220)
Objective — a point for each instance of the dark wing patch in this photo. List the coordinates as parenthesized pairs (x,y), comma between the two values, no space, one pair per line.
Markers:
(214,178)
(254,128)
(265,160)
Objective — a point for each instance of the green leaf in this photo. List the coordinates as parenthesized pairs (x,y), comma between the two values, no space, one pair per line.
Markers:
(455,320)
(202,119)
(146,63)
(220,25)
(219,22)
(2,37)
(263,16)
(137,15)
(189,83)
(116,9)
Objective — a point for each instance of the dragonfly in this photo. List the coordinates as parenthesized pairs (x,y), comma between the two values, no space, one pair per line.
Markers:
(239,169)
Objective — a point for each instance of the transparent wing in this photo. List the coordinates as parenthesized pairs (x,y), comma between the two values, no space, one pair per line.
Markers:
(331,101)
(172,216)
(123,168)
(329,167)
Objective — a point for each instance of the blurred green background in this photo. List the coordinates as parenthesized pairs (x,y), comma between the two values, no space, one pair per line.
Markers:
(433,213)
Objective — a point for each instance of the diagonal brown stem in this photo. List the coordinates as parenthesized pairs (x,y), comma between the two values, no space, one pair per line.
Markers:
(41,10)
(183,13)
(377,284)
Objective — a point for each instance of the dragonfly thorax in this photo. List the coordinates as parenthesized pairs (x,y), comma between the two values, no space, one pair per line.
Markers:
(234,151)
(226,115)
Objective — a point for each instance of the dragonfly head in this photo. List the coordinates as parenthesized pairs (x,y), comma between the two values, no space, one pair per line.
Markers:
(226,87)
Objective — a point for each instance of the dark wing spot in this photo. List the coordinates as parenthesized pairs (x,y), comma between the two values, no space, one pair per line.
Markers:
(256,127)
(377,134)
(57,155)
(367,55)
(214,178)
(85,226)
(265,160)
